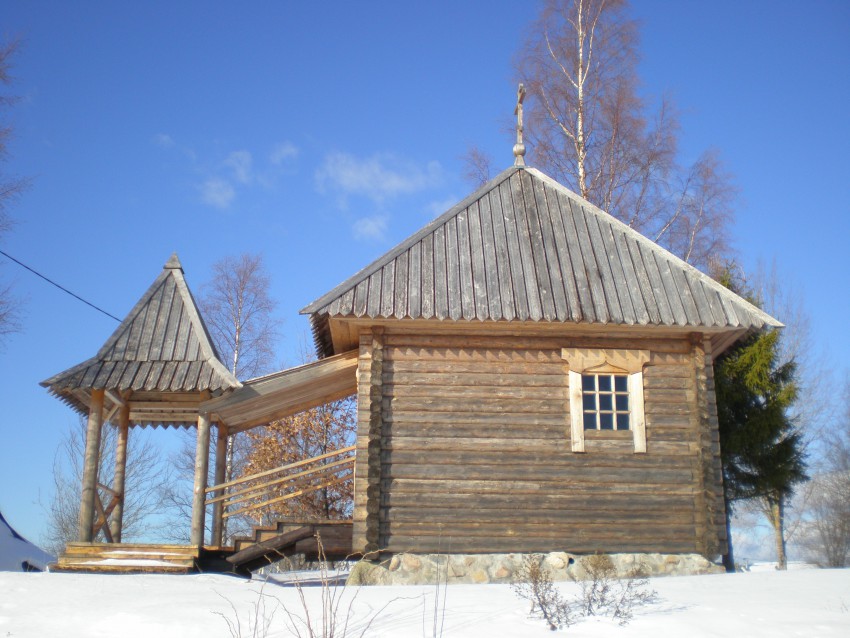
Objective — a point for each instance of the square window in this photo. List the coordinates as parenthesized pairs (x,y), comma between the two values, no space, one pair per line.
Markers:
(605,402)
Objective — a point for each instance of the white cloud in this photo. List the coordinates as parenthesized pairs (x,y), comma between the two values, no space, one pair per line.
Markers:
(217,192)
(437,208)
(283,152)
(163,140)
(241,163)
(374,227)
(379,177)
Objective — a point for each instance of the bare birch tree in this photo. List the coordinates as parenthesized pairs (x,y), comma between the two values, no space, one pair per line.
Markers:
(477,166)
(825,526)
(11,188)
(240,314)
(587,126)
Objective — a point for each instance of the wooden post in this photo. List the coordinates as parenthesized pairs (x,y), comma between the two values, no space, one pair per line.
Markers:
(90,463)
(117,521)
(202,462)
(220,471)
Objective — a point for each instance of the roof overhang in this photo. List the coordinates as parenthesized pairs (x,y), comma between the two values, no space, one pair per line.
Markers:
(276,396)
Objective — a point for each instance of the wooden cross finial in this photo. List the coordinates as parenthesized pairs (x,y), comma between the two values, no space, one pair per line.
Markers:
(519,147)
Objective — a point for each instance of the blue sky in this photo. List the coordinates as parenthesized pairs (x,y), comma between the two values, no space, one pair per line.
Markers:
(321,134)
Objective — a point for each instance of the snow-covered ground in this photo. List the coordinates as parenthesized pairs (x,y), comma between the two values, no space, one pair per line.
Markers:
(805,602)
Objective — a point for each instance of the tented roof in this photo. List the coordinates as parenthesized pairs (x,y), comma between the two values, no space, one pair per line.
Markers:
(525,248)
(162,346)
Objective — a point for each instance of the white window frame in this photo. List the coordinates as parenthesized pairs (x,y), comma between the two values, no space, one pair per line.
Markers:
(605,360)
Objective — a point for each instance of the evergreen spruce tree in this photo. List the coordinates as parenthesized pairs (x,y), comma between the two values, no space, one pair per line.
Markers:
(761,448)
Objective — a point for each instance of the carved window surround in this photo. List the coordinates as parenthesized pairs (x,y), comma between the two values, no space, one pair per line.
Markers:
(607,360)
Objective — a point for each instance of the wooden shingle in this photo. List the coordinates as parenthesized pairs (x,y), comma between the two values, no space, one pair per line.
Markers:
(525,248)
(161,346)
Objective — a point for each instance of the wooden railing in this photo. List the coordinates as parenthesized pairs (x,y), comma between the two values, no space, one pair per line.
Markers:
(244,494)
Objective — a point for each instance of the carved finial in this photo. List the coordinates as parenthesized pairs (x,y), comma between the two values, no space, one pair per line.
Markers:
(519,147)
(173,263)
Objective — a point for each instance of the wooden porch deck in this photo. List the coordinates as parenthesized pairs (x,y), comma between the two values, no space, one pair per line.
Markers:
(267,545)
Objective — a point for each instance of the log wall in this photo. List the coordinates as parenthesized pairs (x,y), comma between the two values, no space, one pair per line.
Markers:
(475,451)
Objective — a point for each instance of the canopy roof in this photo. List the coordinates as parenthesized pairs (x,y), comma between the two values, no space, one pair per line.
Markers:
(285,393)
(162,346)
(525,248)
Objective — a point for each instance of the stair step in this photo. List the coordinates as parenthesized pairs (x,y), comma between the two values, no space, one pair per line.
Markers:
(127,558)
(100,568)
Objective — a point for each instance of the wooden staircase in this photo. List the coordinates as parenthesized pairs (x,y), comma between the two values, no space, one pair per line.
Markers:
(269,544)
(127,558)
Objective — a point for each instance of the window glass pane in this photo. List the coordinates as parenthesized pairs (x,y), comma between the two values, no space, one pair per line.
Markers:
(587,382)
(622,421)
(606,402)
(590,421)
(606,421)
(622,402)
(589,402)
(621,383)
(605,382)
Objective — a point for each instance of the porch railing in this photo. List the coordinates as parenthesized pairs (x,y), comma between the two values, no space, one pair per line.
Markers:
(283,483)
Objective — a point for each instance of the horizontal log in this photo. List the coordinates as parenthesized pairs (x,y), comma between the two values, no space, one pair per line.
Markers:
(584,529)
(494,405)
(440,544)
(555,430)
(578,477)
(523,487)
(405,415)
(535,461)
(544,499)
(525,518)
(667,383)
(681,370)
(485,393)
(651,396)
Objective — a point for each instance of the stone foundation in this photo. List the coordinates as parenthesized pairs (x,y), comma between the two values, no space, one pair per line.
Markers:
(428,569)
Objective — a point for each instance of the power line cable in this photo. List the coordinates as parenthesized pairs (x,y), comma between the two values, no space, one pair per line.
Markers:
(62,288)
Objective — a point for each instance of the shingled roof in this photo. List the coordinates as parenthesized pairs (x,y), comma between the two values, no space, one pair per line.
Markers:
(525,248)
(161,346)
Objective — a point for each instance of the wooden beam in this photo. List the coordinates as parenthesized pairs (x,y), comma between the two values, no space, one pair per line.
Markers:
(202,460)
(90,465)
